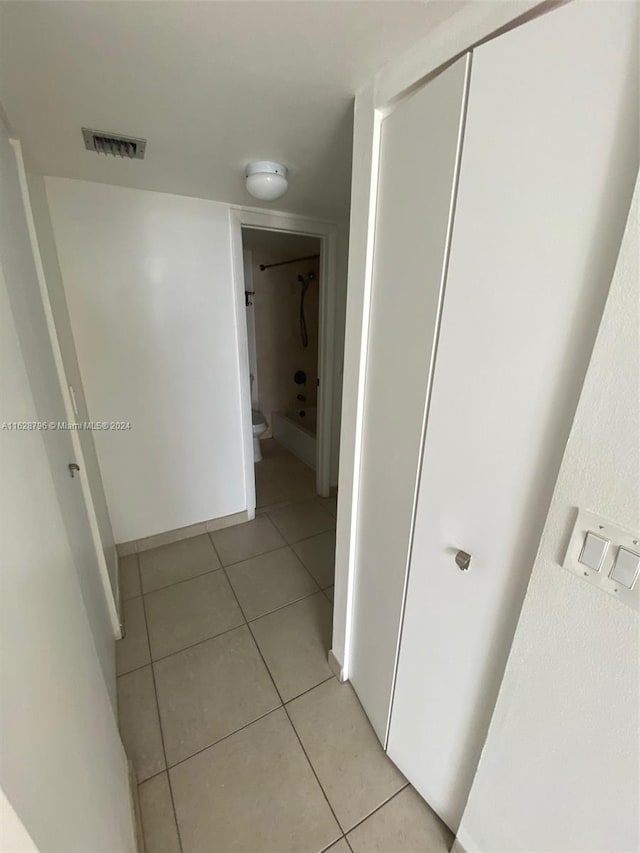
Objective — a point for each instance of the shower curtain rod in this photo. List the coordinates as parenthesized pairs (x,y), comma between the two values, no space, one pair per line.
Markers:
(264,267)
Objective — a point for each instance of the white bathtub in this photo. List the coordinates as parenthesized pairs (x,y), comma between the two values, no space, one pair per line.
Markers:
(297,432)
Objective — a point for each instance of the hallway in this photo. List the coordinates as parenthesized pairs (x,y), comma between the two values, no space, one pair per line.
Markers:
(241,737)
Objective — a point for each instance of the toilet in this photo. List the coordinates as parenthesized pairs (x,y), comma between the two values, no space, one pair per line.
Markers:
(259,423)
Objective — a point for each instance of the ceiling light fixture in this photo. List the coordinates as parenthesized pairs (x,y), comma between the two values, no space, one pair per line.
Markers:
(266,180)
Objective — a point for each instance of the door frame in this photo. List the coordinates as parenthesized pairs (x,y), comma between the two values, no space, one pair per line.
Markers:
(112,597)
(327,233)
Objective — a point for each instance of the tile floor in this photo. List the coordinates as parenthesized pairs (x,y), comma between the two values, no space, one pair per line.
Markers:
(241,738)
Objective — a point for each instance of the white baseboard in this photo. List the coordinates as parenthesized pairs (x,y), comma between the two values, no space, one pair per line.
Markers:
(135,808)
(335,666)
(135,546)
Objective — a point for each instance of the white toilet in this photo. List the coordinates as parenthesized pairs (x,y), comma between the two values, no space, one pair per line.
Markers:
(259,428)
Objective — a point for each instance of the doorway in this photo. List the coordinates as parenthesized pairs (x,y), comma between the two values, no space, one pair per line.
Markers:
(284,273)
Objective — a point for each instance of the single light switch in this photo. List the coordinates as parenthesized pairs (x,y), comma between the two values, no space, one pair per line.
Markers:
(626,567)
(593,551)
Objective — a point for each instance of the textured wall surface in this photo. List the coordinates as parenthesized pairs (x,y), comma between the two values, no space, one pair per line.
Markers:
(559,770)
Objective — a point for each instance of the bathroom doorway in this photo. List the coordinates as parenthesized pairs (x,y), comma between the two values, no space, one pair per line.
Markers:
(287,304)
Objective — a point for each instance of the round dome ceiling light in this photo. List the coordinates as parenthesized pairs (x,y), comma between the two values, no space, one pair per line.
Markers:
(266,180)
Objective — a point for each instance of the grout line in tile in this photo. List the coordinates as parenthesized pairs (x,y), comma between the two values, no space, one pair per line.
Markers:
(227,630)
(313,770)
(313,536)
(343,837)
(283,705)
(164,750)
(377,808)
(222,633)
(255,556)
(183,580)
(224,737)
(308,690)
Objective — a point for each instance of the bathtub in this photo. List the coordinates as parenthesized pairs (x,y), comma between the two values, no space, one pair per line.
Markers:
(296,430)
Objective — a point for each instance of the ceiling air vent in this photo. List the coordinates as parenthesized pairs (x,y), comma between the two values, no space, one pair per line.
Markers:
(111,143)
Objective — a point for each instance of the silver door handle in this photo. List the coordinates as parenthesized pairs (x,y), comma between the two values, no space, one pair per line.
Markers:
(463,561)
(73,468)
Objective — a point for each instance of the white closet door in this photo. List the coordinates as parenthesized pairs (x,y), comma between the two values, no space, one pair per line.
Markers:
(418,163)
(548,165)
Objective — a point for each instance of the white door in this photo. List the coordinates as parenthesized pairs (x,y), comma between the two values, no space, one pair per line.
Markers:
(545,183)
(27,307)
(419,154)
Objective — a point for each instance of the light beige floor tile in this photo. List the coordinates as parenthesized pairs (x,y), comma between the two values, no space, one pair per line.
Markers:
(132,651)
(329,593)
(177,561)
(297,480)
(352,768)
(406,824)
(189,612)
(244,541)
(330,504)
(341,847)
(294,642)
(158,821)
(253,792)
(269,494)
(319,555)
(301,520)
(264,583)
(139,723)
(129,576)
(210,690)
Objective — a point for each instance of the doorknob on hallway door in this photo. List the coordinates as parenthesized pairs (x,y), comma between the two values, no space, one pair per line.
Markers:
(73,468)
(463,561)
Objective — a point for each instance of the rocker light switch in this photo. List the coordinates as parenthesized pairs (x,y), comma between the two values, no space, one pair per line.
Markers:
(605,555)
(593,551)
(626,567)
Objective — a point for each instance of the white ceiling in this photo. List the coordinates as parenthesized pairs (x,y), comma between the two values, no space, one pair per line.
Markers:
(211,85)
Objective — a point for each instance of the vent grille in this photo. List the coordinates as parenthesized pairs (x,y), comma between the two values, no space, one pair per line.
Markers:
(110,143)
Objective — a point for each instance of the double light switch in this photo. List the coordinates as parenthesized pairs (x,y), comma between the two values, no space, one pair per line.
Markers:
(626,566)
(606,555)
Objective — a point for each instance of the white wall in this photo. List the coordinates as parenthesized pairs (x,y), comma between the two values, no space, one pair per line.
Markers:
(63,769)
(560,767)
(147,278)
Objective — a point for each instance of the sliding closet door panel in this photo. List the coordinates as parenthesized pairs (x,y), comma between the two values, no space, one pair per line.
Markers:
(548,166)
(419,145)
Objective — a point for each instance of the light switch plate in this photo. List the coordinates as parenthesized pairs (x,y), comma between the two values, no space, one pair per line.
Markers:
(589,523)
